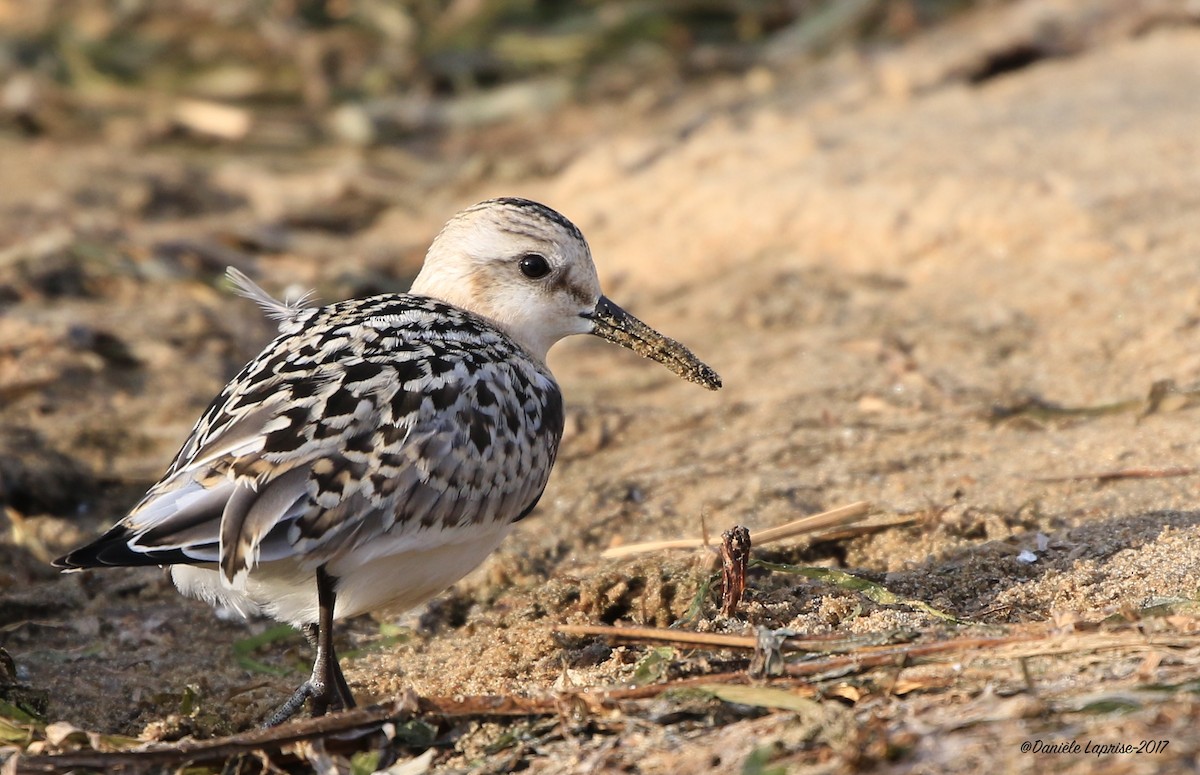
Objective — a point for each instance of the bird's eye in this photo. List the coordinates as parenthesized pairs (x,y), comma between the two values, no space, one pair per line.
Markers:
(534,266)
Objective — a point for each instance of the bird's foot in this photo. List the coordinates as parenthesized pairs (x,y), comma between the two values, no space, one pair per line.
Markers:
(322,696)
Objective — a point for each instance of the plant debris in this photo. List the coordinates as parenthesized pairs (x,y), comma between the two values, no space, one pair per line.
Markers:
(735,553)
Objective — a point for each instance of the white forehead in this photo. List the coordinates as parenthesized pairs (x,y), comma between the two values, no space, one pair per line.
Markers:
(475,263)
(502,228)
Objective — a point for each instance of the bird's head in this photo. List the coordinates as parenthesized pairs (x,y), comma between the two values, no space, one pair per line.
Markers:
(529,270)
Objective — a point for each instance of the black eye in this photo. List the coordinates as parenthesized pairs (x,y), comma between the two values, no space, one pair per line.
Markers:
(534,266)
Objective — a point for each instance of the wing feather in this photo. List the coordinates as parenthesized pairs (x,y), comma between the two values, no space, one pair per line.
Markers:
(312,452)
(250,515)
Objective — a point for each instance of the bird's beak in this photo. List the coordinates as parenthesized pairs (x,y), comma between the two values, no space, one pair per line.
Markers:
(617,325)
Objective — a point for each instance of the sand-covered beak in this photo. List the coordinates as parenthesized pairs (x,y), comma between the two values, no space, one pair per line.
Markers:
(617,325)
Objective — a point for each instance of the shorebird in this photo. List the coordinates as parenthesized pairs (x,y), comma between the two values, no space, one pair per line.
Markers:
(378,449)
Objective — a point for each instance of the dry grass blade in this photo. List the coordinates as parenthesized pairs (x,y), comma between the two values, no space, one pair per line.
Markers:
(818,643)
(772,697)
(840,517)
(1131,640)
(654,634)
(834,518)
(1122,473)
(863,657)
(877,525)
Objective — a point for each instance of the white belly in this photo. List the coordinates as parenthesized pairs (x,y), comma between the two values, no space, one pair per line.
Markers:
(367,580)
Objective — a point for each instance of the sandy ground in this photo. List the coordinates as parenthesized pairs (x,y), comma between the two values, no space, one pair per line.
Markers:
(947,293)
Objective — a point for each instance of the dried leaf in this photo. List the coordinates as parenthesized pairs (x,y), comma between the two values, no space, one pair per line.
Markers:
(846,692)
(653,666)
(905,686)
(102,742)
(13,732)
(763,697)
(1107,703)
(418,765)
(63,731)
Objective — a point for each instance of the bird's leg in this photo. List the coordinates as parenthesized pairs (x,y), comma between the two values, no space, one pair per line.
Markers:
(337,691)
(327,686)
(345,699)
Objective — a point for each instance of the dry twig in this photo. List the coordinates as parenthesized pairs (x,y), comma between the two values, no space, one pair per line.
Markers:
(1022,646)
(1122,473)
(815,643)
(735,554)
(834,518)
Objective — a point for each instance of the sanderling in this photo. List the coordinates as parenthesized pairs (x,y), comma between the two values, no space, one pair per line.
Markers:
(379,449)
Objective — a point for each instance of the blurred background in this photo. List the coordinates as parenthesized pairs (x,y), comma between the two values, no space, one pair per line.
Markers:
(294,74)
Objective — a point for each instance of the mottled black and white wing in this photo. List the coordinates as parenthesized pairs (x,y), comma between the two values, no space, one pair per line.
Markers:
(381,423)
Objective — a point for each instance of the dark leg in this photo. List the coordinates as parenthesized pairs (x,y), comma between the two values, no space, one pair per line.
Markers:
(345,699)
(327,686)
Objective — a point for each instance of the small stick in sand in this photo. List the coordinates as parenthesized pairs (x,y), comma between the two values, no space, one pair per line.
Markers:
(834,518)
(735,553)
